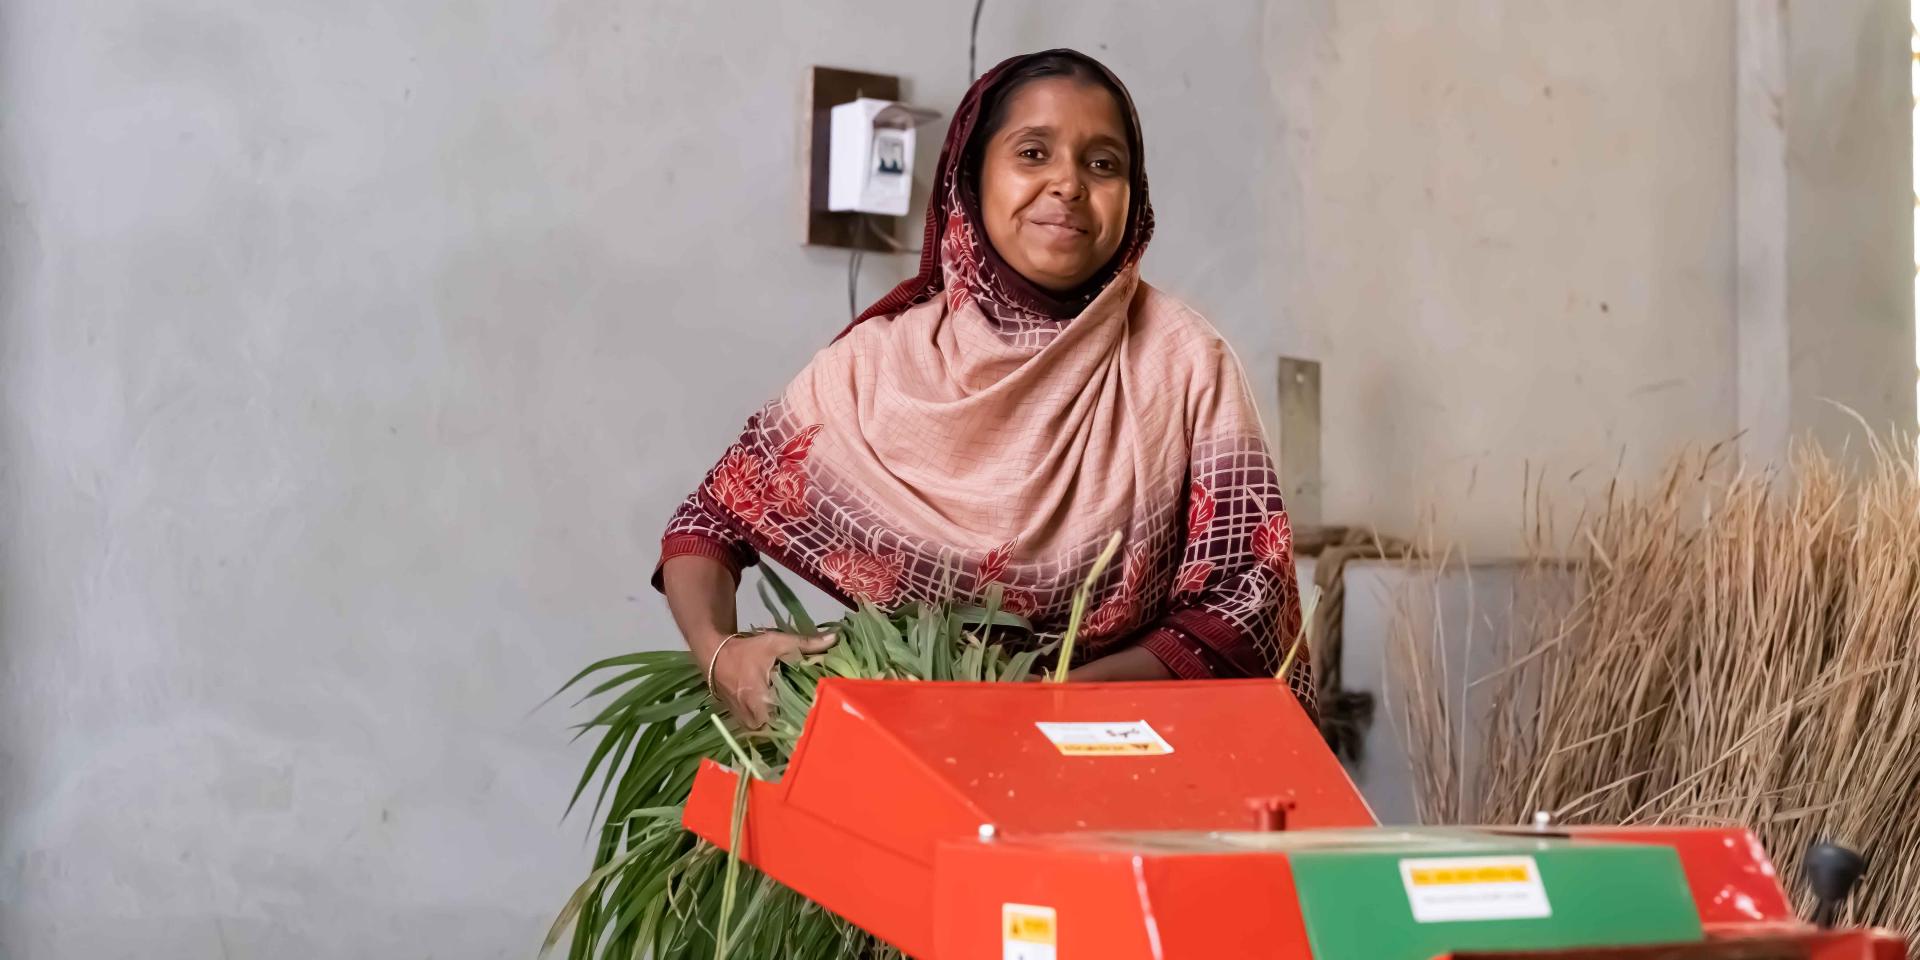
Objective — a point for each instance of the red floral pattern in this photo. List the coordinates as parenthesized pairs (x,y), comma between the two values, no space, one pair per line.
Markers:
(746,487)
(1020,603)
(786,491)
(961,259)
(1107,620)
(1200,508)
(737,482)
(795,451)
(787,482)
(1273,543)
(1121,608)
(863,576)
(1193,578)
(994,568)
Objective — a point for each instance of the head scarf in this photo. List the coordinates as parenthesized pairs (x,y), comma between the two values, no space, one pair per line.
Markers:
(953,254)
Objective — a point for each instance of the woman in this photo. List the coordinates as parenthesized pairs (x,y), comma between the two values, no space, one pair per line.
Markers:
(996,418)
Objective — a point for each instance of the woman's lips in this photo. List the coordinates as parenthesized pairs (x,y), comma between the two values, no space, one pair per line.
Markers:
(1060,228)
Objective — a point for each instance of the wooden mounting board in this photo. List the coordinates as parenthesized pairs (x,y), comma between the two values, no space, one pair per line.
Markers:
(828,87)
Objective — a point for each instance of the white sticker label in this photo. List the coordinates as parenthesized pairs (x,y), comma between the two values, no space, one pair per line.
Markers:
(1126,738)
(1474,888)
(1028,932)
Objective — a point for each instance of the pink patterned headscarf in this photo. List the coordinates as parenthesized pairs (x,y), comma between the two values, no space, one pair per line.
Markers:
(972,430)
(956,203)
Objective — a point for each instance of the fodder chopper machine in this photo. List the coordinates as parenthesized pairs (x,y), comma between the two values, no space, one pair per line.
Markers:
(1182,820)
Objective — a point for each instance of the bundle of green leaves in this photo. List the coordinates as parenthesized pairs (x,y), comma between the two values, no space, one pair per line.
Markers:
(657,890)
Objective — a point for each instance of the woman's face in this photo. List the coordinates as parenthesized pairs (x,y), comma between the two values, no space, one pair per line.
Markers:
(1055,181)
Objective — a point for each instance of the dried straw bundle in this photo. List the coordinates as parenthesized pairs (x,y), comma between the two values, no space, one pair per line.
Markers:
(1728,648)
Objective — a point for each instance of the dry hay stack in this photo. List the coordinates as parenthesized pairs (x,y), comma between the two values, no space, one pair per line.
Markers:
(1728,647)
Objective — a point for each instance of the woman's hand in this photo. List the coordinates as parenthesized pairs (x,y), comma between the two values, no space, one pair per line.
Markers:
(742,673)
(1132,663)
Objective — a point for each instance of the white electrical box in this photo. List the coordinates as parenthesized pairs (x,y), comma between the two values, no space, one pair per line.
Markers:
(870,167)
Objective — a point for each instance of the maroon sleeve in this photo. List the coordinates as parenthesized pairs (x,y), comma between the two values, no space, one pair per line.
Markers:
(696,530)
(1186,657)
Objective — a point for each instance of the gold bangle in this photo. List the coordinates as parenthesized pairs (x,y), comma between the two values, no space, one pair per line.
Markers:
(715,659)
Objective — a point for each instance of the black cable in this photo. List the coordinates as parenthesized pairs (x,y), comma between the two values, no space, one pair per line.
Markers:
(973,41)
(853,259)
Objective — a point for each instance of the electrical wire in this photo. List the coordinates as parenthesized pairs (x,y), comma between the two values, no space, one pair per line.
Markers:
(853,283)
(893,245)
(973,42)
(858,256)
(853,259)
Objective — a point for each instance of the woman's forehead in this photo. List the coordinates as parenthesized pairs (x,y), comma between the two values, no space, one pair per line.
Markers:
(1050,105)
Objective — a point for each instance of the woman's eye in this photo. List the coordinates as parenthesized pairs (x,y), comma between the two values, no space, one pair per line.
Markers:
(1030,153)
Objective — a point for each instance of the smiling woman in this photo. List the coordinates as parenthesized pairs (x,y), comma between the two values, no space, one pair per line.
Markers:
(1053,157)
(986,427)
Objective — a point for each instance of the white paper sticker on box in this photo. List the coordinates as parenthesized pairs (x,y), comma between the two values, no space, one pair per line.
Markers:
(1028,932)
(1128,738)
(1474,888)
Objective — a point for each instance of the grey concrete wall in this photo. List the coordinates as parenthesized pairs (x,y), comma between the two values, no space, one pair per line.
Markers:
(353,355)
(1584,237)
(1507,233)
(1825,251)
(1849,120)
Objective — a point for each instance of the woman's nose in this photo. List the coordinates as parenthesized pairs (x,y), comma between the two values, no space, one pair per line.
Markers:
(1067,183)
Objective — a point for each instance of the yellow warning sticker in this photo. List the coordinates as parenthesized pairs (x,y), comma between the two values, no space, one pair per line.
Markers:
(1474,888)
(1028,932)
(1454,876)
(1128,738)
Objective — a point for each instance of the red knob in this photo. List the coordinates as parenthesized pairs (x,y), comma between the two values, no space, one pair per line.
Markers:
(1270,813)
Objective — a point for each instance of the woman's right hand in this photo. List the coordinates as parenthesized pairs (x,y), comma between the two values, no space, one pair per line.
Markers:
(743,671)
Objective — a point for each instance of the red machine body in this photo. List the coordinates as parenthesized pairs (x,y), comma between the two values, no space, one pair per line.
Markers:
(1121,821)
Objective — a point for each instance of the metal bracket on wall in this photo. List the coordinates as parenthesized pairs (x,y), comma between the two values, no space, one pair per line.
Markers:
(828,87)
(1298,455)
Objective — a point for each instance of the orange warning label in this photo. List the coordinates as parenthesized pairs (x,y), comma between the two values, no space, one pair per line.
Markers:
(1028,932)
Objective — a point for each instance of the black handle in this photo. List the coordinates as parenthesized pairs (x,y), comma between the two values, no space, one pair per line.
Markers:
(1832,870)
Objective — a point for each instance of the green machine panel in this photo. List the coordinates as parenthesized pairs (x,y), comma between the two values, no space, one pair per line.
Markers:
(1442,892)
